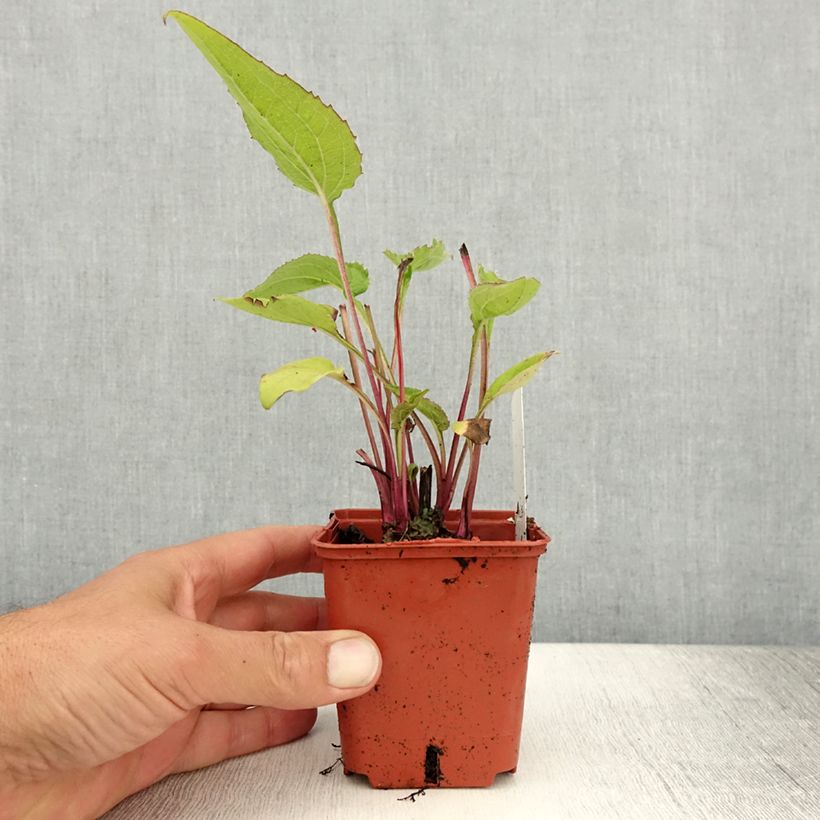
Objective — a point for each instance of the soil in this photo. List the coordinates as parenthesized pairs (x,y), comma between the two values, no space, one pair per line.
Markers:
(424,527)
(352,535)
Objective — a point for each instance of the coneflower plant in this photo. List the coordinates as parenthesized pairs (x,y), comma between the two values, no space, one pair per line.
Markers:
(316,150)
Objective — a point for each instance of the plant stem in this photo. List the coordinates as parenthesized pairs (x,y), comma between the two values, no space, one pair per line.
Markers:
(485,342)
(387,444)
(380,353)
(448,488)
(462,411)
(366,400)
(468,265)
(402,512)
(425,487)
(485,367)
(381,478)
(413,493)
(403,452)
(354,369)
(398,352)
(451,487)
(436,456)
(333,224)
(469,493)
(475,451)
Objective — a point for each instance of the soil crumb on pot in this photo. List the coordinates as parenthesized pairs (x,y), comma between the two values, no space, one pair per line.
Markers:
(432,766)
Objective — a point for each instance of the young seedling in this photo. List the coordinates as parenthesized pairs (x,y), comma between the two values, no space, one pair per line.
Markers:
(316,150)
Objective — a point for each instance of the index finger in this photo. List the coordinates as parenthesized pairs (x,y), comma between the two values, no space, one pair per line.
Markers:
(236,561)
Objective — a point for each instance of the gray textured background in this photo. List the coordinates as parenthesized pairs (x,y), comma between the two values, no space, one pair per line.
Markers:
(656,163)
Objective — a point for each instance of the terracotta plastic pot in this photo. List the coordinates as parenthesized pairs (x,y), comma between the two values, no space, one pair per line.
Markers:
(452,619)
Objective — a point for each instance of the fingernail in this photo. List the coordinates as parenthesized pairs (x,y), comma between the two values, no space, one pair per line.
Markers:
(352,662)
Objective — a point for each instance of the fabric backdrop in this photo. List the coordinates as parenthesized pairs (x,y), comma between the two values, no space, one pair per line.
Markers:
(655,163)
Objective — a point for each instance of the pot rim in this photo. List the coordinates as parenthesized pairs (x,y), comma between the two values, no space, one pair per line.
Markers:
(535,545)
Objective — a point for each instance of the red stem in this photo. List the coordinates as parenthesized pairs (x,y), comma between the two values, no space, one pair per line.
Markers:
(381,478)
(413,499)
(403,511)
(451,488)
(449,482)
(387,444)
(397,326)
(469,493)
(354,368)
(475,452)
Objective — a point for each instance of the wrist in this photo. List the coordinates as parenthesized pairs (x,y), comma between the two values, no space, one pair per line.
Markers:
(72,795)
(31,801)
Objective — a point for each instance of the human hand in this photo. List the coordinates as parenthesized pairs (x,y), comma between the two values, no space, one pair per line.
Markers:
(147,670)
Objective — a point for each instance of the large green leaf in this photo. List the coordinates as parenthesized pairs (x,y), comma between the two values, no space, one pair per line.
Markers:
(490,300)
(295,377)
(513,378)
(427,407)
(312,145)
(308,272)
(291,309)
(425,257)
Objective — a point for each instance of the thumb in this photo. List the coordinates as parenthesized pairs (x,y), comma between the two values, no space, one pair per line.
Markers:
(289,670)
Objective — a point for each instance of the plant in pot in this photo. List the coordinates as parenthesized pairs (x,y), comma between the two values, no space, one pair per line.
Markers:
(446,591)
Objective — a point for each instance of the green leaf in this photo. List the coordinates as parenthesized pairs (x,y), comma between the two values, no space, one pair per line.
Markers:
(492,299)
(425,257)
(434,412)
(308,272)
(488,276)
(427,407)
(513,378)
(290,309)
(312,145)
(403,410)
(295,377)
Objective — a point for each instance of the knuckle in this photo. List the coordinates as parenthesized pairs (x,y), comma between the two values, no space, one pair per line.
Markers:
(181,661)
(136,560)
(289,661)
(144,565)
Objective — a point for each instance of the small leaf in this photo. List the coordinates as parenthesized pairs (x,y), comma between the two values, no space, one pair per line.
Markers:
(513,378)
(427,407)
(308,272)
(434,412)
(295,377)
(291,309)
(475,430)
(488,276)
(312,145)
(425,257)
(403,410)
(490,300)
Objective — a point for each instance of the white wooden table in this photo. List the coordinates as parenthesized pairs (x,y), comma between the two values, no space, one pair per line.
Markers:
(620,731)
